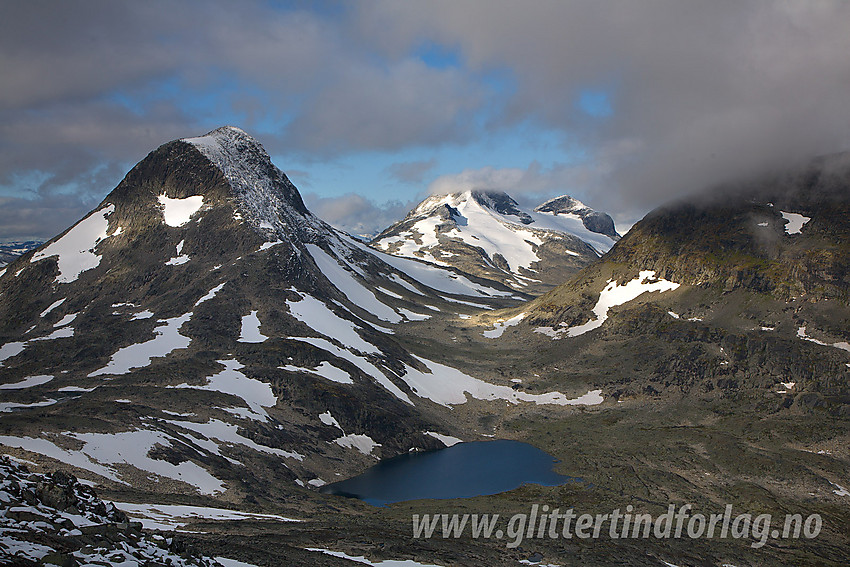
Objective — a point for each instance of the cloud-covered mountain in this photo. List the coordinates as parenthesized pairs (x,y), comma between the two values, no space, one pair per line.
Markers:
(750,280)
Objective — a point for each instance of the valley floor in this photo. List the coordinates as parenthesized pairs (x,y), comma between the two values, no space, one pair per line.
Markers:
(644,455)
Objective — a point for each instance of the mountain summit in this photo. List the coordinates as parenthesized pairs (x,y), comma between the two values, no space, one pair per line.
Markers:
(263,192)
(592,220)
(488,234)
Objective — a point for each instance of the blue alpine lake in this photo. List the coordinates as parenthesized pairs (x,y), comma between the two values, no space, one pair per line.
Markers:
(462,471)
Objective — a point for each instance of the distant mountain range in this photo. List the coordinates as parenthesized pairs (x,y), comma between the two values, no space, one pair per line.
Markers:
(11,250)
(488,234)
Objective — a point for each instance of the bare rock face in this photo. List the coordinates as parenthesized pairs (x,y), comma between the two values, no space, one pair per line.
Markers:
(53,519)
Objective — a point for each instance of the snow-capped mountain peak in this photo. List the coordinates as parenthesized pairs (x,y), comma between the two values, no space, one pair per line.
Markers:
(265,197)
(562,204)
(496,201)
(592,220)
(489,234)
(502,203)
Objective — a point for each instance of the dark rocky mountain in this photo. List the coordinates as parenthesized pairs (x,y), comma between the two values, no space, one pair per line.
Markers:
(754,277)
(203,316)
(488,234)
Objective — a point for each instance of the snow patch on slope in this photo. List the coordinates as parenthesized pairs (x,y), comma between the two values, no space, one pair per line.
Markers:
(53,306)
(843,345)
(211,294)
(329,420)
(28,382)
(362,443)
(611,296)
(63,333)
(169,517)
(142,315)
(10,350)
(66,320)
(321,319)
(795,222)
(101,451)
(181,258)
(364,365)
(6,407)
(228,434)
(413,316)
(345,282)
(364,561)
(325,370)
(49,449)
(178,212)
(132,448)
(448,386)
(74,252)
(167,339)
(256,394)
(446,440)
(440,279)
(499,327)
(250,332)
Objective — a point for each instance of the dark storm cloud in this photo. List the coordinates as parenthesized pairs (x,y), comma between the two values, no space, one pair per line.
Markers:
(535,180)
(700,91)
(90,87)
(59,54)
(371,108)
(68,142)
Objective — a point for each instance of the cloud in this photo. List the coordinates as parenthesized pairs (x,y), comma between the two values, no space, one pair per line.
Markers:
(411,171)
(39,218)
(70,144)
(700,92)
(529,185)
(659,97)
(356,214)
(94,86)
(369,108)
